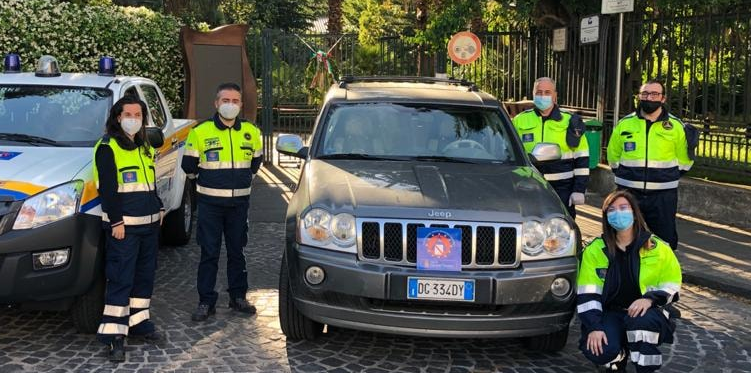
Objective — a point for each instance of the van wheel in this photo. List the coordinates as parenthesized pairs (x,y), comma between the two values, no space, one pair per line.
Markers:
(552,342)
(86,312)
(294,324)
(178,224)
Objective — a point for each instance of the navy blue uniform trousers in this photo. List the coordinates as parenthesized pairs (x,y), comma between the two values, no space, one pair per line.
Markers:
(564,193)
(659,208)
(215,221)
(639,335)
(129,267)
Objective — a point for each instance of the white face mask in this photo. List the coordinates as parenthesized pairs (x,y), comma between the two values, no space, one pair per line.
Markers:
(229,111)
(131,126)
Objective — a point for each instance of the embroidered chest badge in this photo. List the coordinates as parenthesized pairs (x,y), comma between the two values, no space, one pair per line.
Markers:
(130,177)
(247,136)
(528,137)
(629,146)
(212,142)
(212,156)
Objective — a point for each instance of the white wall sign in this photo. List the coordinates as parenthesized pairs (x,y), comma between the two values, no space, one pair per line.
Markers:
(590,30)
(559,39)
(617,6)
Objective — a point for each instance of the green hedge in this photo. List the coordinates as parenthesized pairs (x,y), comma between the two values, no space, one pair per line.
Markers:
(144,43)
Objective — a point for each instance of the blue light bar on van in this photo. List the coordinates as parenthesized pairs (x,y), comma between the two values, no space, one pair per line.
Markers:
(107,66)
(12,63)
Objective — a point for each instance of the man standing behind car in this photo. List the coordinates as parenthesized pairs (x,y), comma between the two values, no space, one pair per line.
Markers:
(223,153)
(546,122)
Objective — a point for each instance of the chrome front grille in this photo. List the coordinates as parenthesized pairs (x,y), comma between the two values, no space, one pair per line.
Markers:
(392,241)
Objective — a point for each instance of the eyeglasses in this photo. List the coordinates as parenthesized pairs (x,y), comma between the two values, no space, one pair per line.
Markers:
(621,207)
(645,95)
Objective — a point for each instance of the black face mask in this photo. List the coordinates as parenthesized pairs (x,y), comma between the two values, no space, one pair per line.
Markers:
(649,107)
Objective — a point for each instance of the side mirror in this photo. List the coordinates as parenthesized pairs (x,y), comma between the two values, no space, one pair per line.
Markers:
(155,137)
(291,145)
(545,152)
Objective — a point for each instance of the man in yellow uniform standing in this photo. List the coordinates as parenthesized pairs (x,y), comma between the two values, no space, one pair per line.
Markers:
(223,153)
(546,122)
(648,151)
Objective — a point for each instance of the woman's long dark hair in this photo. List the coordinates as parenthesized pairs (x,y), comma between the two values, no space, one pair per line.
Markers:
(114,130)
(608,232)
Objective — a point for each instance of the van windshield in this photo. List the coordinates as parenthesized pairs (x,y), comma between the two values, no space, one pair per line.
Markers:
(42,115)
(409,131)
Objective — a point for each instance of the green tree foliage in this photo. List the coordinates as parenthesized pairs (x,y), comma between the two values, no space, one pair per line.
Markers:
(286,15)
(373,19)
(144,43)
(445,18)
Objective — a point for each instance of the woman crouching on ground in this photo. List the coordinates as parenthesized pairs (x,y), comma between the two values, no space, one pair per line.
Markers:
(626,278)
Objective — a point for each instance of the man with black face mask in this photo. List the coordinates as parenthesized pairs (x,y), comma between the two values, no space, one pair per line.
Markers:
(648,151)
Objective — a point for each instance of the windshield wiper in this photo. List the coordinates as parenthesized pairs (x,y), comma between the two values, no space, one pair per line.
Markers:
(20,137)
(360,156)
(441,158)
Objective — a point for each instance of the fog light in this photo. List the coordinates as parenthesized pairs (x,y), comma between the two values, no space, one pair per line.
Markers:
(560,287)
(314,275)
(51,259)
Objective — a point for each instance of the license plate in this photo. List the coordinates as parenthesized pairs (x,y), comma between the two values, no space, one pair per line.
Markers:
(440,289)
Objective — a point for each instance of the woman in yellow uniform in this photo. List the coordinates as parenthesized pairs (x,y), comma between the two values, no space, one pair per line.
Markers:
(131,214)
(626,279)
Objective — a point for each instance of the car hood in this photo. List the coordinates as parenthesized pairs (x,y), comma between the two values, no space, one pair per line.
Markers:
(25,170)
(430,190)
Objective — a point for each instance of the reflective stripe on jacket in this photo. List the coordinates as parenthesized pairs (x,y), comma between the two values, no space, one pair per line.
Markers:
(659,276)
(573,168)
(649,156)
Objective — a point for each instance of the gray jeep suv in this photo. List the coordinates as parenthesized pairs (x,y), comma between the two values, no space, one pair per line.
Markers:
(418,213)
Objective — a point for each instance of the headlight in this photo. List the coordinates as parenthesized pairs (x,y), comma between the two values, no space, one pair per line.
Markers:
(553,238)
(533,235)
(557,236)
(316,224)
(343,230)
(49,206)
(321,229)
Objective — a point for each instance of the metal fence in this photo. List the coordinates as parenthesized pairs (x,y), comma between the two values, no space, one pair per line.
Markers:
(705,62)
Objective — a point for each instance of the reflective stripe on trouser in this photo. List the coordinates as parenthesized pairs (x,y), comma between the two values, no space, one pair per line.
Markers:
(215,221)
(135,220)
(223,192)
(129,267)
(643,335)
(639,334)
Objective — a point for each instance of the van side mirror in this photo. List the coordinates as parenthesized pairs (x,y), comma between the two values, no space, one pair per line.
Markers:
(291,145)
(545,152)
(155,137)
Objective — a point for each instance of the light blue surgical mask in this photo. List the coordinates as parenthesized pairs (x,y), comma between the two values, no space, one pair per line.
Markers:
(543,102)
(621,220)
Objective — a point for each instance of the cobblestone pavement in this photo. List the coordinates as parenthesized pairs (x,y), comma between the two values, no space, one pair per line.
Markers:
(713,336)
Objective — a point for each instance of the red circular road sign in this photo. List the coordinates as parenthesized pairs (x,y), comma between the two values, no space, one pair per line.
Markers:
(464,47)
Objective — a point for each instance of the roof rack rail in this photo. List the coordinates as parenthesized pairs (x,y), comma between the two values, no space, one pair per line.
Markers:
(347,79)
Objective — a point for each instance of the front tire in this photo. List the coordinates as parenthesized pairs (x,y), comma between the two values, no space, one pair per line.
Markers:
(178,224)
(295,325)
(552,342)
(86,312)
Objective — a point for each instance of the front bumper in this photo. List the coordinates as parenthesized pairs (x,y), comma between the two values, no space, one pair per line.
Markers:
(508,303)
(21,284)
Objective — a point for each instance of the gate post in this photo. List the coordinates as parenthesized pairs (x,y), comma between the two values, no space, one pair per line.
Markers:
(267,98)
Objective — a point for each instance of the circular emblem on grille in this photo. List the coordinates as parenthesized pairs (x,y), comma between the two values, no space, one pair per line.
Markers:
(438,244)
(247,136)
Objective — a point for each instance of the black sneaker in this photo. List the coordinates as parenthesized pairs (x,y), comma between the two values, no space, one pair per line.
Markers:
(242,305)
(117,350)
(202,312)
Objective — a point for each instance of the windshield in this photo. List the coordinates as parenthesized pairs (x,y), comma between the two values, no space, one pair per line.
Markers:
(394,131)
(72,116)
